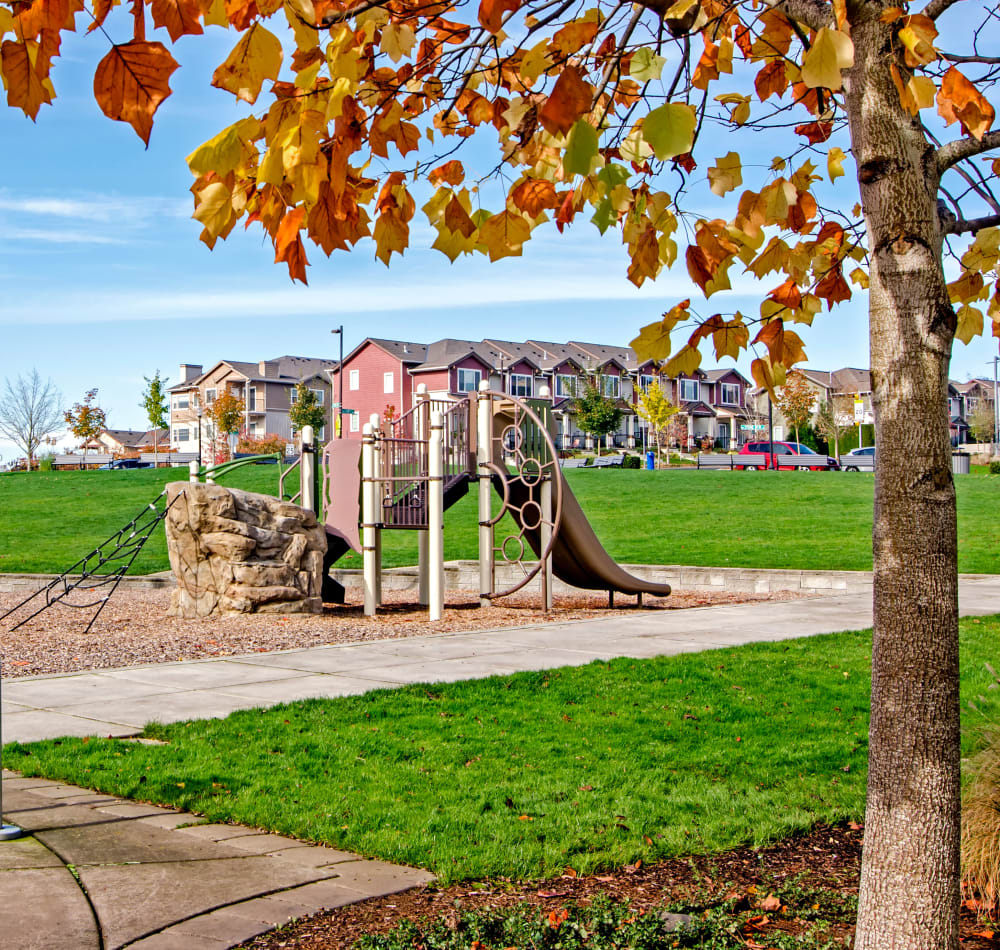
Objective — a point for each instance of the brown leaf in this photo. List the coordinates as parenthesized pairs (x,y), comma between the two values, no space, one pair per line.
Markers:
(456,218)
(288,244)
(815,132)
(833,288)
(491,13)
(25,88)
(570,98)
(180,17)
(770,903)
(46,15)
(534,195)
(450,173)
(131,82)
(959,100)
(771,80)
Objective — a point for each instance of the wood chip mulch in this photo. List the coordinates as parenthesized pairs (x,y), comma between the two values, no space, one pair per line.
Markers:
(826,858)
(133,628)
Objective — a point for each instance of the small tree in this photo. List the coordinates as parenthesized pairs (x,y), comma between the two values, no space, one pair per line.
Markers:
(833,418)
(306,410)
(29,412)
(981,421)
(154,402)
(796,401)
(226,413)
(657,410)
(595,412)
(86,420)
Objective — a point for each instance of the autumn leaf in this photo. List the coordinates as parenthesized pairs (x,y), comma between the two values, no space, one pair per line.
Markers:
(534,195)
(726,175)
(288,244)
(179,17)
(784,346)
(835,163)
(917,35)
(831,52)
(653,341)
(450,173)
(959,100)
(504,234)
(491,13)
(646,65)
(669,130)
(570,98)
(214,209)
(131,81)
(772,80)
(685,363)
(970,323)
(581,148)
(26,89)
(256,57)
(730,338)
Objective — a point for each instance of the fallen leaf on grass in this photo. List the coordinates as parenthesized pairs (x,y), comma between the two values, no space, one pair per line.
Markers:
(553,893)
(770,903)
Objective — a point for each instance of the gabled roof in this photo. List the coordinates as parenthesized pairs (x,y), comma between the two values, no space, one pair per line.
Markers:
(529,352)
(971,384)
(714,375)
(603,353)
(698,408)
(443,354)
(850,379)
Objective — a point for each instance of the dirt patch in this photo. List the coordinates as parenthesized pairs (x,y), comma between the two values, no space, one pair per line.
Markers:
(133,628)
(746,880)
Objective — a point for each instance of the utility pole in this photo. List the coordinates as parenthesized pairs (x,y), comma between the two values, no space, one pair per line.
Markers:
(996,408)
(338,422)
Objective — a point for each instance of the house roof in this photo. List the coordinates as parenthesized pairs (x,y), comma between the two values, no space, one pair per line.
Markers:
(850,379)
(697,408)
(624,356)
(123,436)
(714,375)
(529,352)
(290,370)
(971,384)
(443,354)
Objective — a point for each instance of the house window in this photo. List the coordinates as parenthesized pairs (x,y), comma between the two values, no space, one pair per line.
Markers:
(565,385)
(182,434)
(209,396)
(611,386)
(354,382)
(253,428)
(355,422)
(730,394)
(321,435)
(520,385)
(468,380)
(645,382)
(182,401)
(387,382)
(318,393)
(689,390)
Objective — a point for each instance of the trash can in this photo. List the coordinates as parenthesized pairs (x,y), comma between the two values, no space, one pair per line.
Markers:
(650,461)
(960,463)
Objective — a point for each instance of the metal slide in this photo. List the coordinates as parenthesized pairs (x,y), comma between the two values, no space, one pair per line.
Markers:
(578,557)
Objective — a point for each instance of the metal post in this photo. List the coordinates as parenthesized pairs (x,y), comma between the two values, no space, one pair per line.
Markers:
(7,832)
(368,503)
(996,409)
(546,537)
(338,422)
(770,432)
(484,449)
(435,517)
(422,431)
(307,469)
(193,469)
(379,493)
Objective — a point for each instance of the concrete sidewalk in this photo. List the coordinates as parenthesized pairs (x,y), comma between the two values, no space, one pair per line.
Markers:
(99,873)
(120,702)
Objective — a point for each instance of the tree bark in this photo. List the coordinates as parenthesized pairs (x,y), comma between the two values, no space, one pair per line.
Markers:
(909,896)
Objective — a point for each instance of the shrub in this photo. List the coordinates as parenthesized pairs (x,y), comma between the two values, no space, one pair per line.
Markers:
(631,461)
(995,468)
(263,445)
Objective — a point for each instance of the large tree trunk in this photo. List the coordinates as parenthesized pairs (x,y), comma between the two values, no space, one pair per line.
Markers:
(909,896)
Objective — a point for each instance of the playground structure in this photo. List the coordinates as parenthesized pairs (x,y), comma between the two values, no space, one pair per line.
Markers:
(414,467)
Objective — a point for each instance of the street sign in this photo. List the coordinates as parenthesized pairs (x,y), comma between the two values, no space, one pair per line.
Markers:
(348,412)
(859,411)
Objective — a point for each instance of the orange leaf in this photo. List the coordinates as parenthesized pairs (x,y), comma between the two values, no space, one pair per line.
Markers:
(101,10)
(707,68)
(959,100)
(131,82)
(46,15)
(574,36)
(457,219)
(241,13)
(491,13)
(451,173)
(833,288)
(180,17)
(815,131)
(787,295)
(771,80)
(534,195)
(570,98)
(288,244)
(25,89)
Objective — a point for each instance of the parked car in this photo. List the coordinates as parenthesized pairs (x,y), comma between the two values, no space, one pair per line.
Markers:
(867,451)
(125,463)
(777,449)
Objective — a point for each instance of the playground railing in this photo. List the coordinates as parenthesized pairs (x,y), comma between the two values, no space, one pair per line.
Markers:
(213,472)
(403,479)
(281,482)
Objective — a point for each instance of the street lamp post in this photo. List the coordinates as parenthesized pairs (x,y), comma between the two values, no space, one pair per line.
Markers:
(200,412)
(339,421)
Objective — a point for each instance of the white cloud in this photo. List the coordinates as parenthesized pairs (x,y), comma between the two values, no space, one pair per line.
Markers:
(59,236)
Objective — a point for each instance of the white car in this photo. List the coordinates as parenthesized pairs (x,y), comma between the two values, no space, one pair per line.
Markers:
(864,458)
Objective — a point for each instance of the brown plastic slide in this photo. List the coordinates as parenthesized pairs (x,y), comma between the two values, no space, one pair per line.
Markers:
(578,557)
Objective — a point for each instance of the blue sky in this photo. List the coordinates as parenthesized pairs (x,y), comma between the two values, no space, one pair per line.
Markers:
(105,280)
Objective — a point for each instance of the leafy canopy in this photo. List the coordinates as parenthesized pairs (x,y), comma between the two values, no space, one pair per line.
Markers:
(581,108)
(86,419)
(306,410)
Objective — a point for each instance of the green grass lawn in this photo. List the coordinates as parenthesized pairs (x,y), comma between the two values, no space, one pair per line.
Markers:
(805,520)
(525,775)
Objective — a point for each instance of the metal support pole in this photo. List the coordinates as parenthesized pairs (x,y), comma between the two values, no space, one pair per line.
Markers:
(307,470)
(435,517)
(368,508)
(996,410)
(379,492)
(422,430)
(546,537)
(193,469)
(484,449)
(7,832)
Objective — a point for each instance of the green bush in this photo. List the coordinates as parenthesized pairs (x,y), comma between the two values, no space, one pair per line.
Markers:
(632,461)
(995,468)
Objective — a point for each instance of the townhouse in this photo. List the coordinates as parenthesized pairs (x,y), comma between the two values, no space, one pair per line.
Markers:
(266,388)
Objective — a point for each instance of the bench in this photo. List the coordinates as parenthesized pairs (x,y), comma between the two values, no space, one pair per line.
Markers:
(857,463)
(705,460)
(76,461)
(169,458)
(572,463)
(608,461)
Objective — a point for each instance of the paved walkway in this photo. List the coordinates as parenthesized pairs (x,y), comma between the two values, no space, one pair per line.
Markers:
(99,873)
(119,702)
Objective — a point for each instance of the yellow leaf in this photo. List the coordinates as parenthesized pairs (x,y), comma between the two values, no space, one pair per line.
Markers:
(504,234)
(859,277)
(831,52)
(923,90)
(970,323)
(398,40)
(835,163)
(653,341)
(731,338)
(224,152)
(256,57)
(215,208)
(6,21)
(726,175)
(685,363)
(917,35)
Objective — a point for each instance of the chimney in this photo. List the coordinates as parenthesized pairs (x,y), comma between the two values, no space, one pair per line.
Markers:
(406,348)
(267,368)
(190,371)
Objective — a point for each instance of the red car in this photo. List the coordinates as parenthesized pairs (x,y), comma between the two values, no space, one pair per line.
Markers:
(775,450)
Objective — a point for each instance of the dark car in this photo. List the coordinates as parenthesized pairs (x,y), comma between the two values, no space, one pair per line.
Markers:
(125,463)
(778,449)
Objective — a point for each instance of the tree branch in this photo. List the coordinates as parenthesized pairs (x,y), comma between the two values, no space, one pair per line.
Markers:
(935,8)
(954,152)
(812,13)
(961,226)
(987,60)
